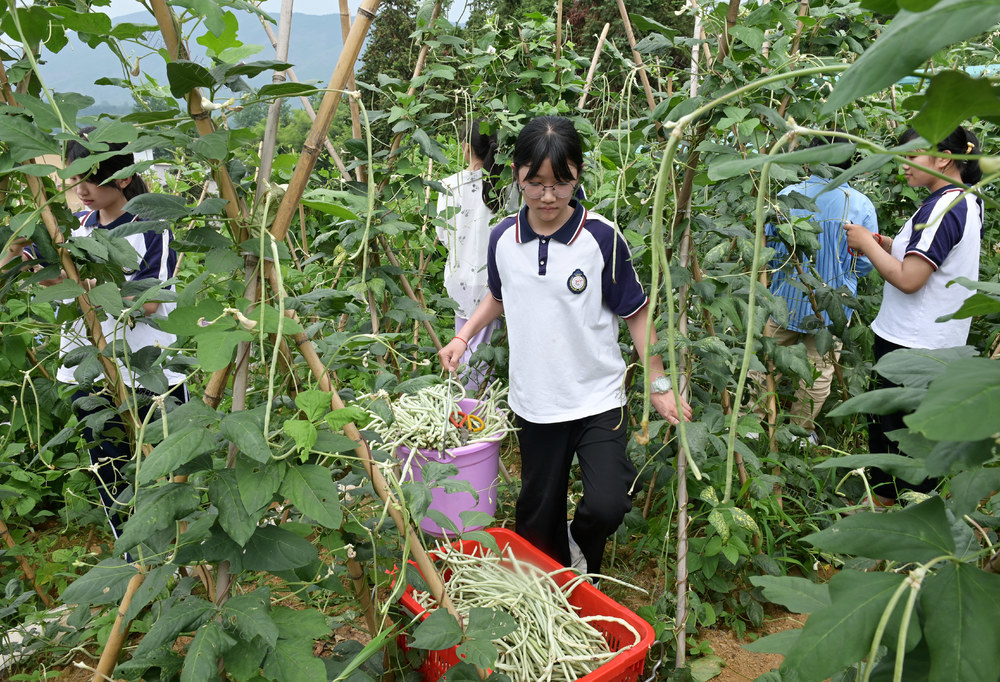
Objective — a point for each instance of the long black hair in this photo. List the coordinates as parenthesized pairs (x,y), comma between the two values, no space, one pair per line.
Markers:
(553,138)
(484,146)
(102,172)
(960,141)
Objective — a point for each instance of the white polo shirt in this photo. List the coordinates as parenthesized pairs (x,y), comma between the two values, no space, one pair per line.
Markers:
(948,237)
(563,296)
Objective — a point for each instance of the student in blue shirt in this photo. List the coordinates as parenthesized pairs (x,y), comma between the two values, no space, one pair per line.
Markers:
(835,265)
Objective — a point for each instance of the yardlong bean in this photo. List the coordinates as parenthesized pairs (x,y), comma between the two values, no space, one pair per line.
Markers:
(552,641)
(423,419)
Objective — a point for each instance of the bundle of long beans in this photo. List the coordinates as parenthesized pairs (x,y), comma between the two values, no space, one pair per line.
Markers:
(424,419)
(552,641)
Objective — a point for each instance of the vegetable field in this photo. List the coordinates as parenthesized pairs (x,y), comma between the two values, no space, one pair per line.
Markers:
(268,513)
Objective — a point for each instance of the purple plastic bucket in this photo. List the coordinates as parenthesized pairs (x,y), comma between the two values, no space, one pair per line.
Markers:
(477,463)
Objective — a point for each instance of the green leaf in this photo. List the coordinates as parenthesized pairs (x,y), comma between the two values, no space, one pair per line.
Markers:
(25,140)
(778,643)
(214,146)
(951,98)
(311,489)
(273,90)
(961,405)
(258,483)
(185,615)
(245,429)
(907,468)
(105,583)
(314,403)
(960,604)
(909,40)
(919,532)
(881,401)
(292,660)
(275,549)
(201,661)
(184,76)
(835,153)
(302,432)
(156,582)
(303,624)
(215,349)
(969,487)
(155,510)
(250,615)
(976,305)
(429,147)
(180,447)
(107,297)
(233,517)
(152,206)
(67,289)
(841,634)
(798,595)
(438,631)
(917,367)
(243,660)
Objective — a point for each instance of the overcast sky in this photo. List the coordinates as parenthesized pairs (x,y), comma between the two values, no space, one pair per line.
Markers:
(120,7)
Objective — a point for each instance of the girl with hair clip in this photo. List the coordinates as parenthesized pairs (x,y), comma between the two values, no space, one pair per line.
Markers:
(938,244)
(468,206)
(563,277)
(104,202)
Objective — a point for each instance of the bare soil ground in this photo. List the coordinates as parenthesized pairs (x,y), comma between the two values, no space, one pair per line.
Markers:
(739,664)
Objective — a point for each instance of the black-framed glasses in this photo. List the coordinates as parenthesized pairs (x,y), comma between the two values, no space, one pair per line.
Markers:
(535,190)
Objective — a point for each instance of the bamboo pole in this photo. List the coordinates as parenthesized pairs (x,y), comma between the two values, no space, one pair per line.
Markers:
(345,30)
(119,631)
(680,620)
(636,56)
(274,111)
(559,17)
(307,105)
(324,117)
(593,66)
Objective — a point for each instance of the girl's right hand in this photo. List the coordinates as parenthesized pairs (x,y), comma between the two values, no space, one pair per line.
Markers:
(451,354)
(859,239)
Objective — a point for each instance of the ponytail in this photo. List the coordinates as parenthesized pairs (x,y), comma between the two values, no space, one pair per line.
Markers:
(960,141)
(485,148)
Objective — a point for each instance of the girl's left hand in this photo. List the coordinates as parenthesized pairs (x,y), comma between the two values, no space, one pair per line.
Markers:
(666,405)
(859,239)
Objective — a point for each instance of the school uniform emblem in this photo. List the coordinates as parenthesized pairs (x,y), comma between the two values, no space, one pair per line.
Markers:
(577,282)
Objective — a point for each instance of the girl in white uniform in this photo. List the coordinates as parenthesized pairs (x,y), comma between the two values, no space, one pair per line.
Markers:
(938,244)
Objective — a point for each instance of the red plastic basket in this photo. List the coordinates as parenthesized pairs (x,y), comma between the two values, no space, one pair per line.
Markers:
(626,667)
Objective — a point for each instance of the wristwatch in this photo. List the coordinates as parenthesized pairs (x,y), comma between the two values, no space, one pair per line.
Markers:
(661,384)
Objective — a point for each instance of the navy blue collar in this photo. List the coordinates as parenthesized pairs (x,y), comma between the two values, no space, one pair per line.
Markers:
(937,193)
(93,219)
(565,234)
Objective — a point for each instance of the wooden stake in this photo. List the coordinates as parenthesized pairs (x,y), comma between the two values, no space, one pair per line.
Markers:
(636,56)
(593,66)
(274,110)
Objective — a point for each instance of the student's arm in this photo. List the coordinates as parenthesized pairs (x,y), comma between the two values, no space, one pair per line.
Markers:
(665,403)
(908,275)
(488,310)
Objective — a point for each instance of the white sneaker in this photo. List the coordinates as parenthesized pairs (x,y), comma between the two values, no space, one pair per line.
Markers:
(576,558)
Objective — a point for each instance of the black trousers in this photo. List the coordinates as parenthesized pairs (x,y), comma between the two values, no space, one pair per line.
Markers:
(608,475)
(111,450)
(880,426)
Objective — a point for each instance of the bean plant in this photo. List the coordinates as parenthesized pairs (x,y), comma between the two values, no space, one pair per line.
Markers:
(255,525)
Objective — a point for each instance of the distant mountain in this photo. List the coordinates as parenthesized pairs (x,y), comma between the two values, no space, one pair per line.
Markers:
(315,46)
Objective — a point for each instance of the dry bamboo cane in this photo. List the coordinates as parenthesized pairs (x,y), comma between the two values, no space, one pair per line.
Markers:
(680,620)
(593,66)
(119,631)
(307,105)
(274,111)
(559,16)
(345,30)
(636,56)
